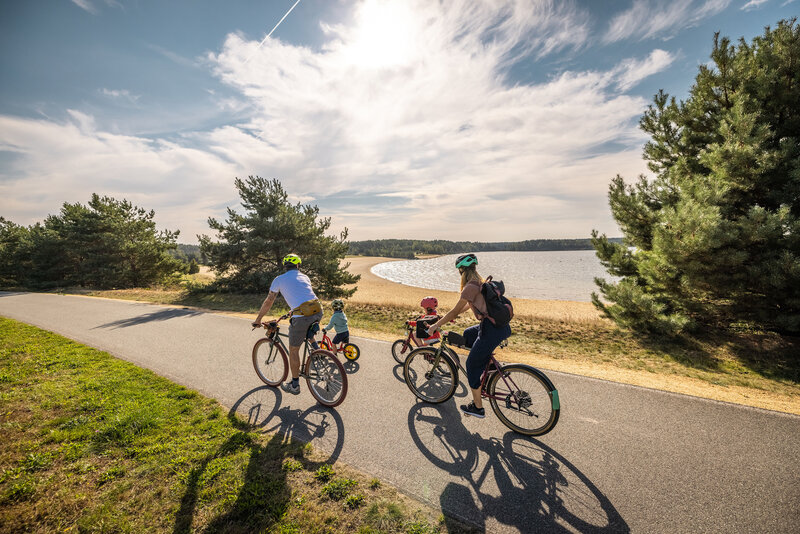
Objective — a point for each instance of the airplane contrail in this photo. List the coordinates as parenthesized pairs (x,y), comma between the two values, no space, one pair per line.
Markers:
(270,33)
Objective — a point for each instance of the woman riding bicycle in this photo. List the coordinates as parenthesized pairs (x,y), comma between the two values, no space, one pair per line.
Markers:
(482,338)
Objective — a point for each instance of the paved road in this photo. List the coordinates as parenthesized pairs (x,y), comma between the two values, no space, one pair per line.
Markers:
(622,458)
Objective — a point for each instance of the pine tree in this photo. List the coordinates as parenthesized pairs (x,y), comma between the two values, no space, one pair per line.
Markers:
(714,237)
(252,245)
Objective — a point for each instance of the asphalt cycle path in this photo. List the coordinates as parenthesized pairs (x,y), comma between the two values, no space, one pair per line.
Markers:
(621,459)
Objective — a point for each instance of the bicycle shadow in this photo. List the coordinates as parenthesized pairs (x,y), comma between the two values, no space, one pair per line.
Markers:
(160,315)
(264,495)
(514,480)
(351,367)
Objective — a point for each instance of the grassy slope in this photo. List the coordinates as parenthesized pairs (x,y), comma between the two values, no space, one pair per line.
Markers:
(94,444)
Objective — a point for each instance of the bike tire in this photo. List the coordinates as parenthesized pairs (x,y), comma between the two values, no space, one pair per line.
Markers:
(400,350)
(324,345)
(270,362)
(351,352)
(326,378)
(426,382)
(529,404)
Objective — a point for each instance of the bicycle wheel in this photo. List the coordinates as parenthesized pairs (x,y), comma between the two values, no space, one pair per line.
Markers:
(524,399)
(324,345)
(270,362)
(430,383)
(351,352)
(400,350)
(326,378)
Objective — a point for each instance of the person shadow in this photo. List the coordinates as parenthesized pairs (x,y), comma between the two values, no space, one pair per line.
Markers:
(514,480)
(264,495)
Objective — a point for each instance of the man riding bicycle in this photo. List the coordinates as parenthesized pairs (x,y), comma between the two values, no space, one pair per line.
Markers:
(306,310)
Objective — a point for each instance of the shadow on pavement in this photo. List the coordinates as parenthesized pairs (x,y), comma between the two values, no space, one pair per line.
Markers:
(161,315)
(351,367)
(514,480)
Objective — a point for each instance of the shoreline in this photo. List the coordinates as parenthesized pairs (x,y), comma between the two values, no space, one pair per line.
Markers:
(372,289)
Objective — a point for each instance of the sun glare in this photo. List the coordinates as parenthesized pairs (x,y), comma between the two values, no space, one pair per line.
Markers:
(384,35)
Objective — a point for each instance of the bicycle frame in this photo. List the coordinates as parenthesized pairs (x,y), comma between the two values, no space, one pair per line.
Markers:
(333,348)
(276,335)
(492,366)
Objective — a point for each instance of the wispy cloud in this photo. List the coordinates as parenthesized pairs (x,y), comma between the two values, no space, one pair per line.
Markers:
(428,121)
(404,113)
(754,4)
(631,71)
(648,19)
(58,162)
(86,5)
(123,94)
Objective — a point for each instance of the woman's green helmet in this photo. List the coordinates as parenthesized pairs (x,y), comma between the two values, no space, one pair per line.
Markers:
(292,259)
(337,304)
(466,260)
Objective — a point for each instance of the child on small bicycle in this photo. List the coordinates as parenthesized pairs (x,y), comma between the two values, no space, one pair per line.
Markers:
(430,316)
(339,323)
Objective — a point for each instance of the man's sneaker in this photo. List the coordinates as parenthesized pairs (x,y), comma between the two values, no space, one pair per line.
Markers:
(289,388)
(470,409)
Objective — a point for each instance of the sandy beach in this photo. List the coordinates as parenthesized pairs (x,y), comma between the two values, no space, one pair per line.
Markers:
(373,289)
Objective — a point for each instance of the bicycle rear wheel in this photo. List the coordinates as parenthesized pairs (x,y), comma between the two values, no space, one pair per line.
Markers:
(326,378)
(324,345)
(270,362)
(524,399)
(351,352)
(400,350)
(429,382)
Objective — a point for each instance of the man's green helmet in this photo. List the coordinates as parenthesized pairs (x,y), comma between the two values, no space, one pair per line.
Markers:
(466,260)
(337,304)
(292,259)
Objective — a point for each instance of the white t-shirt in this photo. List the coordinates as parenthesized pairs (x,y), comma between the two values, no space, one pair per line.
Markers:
(294,286)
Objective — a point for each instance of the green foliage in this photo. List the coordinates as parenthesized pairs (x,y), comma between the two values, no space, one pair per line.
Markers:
(324,473)
(105,244)
(409,248)
(339,488)
(252,246)
(714,238)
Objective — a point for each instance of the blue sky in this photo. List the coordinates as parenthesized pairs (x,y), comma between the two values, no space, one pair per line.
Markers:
(480,120)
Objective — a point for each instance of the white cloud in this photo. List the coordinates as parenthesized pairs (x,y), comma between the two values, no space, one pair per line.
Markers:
(123,94)
(410,134)
(86,5)
(632,71)
(55,163)
(648,19)
(754,4)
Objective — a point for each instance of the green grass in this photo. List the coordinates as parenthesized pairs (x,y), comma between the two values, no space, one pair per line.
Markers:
(94,444)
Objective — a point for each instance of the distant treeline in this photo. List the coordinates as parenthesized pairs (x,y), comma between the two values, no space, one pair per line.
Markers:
(187,253)
(410,248)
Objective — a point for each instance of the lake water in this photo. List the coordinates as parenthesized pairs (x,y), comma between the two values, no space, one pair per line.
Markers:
(563,275)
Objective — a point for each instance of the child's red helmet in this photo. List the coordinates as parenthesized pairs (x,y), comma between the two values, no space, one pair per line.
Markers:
(429,302)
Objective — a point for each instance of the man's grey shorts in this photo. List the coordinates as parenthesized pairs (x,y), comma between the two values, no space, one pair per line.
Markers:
(299,327)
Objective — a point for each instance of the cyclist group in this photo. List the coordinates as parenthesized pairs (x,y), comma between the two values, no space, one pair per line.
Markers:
(306,311)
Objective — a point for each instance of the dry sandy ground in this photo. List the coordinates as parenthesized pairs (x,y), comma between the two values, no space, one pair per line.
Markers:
(375,290)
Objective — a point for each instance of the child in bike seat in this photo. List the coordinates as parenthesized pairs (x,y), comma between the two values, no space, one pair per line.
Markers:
(430,316)
(339,323)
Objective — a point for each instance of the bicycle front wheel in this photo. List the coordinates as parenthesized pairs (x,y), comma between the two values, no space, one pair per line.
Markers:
(270,362)
(524,399)
(352,352)
(428,379)
(400,350)
(326,378)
